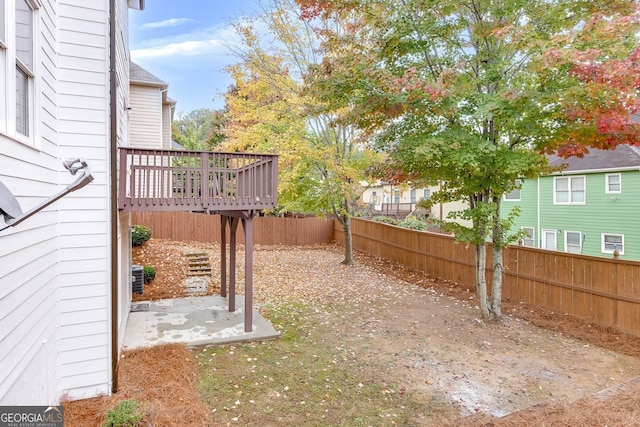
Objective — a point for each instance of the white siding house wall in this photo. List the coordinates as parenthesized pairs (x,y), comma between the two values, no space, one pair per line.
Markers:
(55,275)
(146,117)
(29,296)
(84,222)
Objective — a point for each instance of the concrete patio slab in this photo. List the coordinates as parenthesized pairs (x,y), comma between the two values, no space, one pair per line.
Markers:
(194,321)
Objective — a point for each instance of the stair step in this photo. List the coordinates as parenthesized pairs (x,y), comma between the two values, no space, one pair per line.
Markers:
(199,263)
(197,255)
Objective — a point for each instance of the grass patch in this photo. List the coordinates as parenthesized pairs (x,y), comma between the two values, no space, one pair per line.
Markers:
(307,378)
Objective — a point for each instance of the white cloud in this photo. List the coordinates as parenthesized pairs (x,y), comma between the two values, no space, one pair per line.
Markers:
(186,48)
(174,22)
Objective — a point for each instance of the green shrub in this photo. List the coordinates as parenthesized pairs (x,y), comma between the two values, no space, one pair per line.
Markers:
(140,234)
(413,223)
(385,219)
(149,273)
(125,414)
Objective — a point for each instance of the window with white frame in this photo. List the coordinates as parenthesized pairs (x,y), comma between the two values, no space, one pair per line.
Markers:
(17,67)
(611,242)
(569,190)
(413,196)
(573,242)
(2,26)
(396,196)
(529,237)
(3,65)
(514,195)
(426,193)
(614,183)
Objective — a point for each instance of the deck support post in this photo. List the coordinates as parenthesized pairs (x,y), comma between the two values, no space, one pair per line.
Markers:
(247,225)
(223,255)
(233,243)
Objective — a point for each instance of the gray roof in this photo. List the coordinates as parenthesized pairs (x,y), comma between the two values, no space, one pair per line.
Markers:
(622,157)
(139,75)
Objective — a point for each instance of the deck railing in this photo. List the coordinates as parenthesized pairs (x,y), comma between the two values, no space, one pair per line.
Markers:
(202,181)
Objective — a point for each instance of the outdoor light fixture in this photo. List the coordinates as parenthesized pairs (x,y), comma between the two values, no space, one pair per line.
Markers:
(11,210)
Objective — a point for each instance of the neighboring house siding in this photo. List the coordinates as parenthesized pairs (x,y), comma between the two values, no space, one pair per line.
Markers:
(166,127)
(602,212)
(528,204)
(146,117)
(84,228)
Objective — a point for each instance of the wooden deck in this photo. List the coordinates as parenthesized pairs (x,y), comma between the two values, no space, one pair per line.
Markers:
(197,181)
(234,185)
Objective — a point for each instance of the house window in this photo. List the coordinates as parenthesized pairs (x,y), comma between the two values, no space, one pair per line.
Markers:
(611,242)
(614,183)
(514,195)
(374,198)
(396,196)
(529,237)
(2,26)
(573,242)
(569,190)
(3,66)
(24,66)
(17,68)
(549,239)
(426,193)
(413,196)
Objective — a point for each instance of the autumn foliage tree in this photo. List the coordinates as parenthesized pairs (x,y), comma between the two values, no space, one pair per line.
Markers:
(471,93)
(322,161)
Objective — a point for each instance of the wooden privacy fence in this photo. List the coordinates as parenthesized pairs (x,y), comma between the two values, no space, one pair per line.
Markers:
(189,226)
(602,289)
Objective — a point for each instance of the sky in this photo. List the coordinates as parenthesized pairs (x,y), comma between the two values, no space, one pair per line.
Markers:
(182,43)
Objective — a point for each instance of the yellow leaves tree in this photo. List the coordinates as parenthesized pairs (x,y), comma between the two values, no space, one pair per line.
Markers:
(322,161)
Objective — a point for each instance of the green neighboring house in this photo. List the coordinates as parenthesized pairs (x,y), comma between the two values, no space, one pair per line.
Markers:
(591,207)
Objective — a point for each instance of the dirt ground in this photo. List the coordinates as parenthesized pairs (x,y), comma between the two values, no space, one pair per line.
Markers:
(535,367)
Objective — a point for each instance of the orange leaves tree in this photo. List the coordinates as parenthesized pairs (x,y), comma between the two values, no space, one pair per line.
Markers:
(471,93)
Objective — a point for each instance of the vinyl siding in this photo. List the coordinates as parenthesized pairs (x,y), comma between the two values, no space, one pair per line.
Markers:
(55,323)
(29,297)
(84,224)
(166,127)
(601,213)
(146,117)
(528,205)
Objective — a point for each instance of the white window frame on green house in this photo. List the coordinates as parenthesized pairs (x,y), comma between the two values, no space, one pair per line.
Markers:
(570,190)
(18,69)
(608,246)
(613,187)
(515,194)
(529,238)
(543,239)
(572,248)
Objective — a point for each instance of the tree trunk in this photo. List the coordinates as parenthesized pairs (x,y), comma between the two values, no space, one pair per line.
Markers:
(496,284)
(348,241)
(481,280)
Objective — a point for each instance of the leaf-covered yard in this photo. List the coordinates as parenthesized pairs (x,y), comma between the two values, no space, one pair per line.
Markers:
(374,344)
